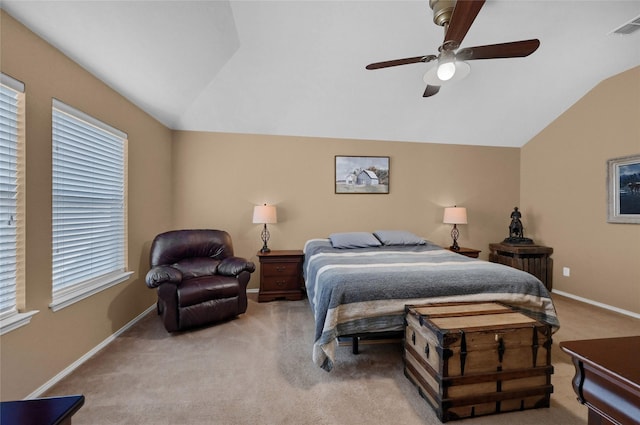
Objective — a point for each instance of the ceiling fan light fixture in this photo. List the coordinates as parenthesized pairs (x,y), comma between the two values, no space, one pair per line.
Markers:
(457,16)
(431,76)
(446,70)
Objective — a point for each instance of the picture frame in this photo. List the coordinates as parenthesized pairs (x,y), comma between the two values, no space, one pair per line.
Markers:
(623,190)
(361,174)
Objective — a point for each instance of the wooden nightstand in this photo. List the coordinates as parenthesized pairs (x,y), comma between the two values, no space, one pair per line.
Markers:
(281,275)
(467,252)
(533,259)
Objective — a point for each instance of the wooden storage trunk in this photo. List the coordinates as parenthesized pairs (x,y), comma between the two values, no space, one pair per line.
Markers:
(473,359)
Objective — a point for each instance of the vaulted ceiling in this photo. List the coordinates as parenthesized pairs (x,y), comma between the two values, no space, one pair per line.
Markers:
(298,67)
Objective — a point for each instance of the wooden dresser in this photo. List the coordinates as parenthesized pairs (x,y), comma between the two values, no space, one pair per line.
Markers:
(607,378)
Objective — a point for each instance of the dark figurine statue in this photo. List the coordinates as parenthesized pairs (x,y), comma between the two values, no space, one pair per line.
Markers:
(516,230)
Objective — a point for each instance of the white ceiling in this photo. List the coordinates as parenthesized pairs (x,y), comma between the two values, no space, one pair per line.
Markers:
(298,67)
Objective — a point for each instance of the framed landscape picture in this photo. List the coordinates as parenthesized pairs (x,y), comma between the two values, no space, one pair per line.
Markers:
(623,186)
(362,174)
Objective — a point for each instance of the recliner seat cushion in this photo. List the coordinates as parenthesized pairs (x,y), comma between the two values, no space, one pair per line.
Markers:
(202,289)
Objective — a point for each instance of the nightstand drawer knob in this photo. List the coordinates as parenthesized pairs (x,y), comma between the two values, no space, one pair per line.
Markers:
(281,283)
(281,268)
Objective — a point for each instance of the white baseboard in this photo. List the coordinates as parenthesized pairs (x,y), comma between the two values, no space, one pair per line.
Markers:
(253,291)
(73,366)
(598,304)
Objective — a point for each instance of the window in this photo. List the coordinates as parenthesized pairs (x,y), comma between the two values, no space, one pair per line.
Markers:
(12,203)
(89,206)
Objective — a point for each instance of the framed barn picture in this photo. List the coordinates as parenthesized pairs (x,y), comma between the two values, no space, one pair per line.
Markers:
(362,174)
(623,187)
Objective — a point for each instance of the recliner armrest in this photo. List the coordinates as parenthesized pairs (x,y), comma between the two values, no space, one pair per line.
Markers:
(233,266)
(162,274)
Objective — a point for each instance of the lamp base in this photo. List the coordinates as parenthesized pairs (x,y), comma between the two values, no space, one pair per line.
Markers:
(454,235)
(264,235)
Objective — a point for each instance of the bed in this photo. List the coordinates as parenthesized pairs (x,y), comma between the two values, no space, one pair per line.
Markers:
(358,283)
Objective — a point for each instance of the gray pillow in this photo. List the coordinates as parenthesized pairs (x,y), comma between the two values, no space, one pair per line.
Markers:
(398,237)
(353,240)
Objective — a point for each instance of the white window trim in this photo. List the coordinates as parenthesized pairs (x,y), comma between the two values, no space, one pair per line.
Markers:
(12,83)
(14,319)
(72,295)
(87,118)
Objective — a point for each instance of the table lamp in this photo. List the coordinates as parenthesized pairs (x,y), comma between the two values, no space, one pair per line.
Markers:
(263,214)
(455,215)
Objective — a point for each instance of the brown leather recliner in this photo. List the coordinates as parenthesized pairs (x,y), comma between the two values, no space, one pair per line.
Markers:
(199,280)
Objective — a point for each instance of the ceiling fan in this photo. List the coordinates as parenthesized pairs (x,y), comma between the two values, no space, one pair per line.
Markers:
(456,17)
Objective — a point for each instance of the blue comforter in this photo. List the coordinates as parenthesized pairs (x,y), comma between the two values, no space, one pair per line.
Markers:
(361,290)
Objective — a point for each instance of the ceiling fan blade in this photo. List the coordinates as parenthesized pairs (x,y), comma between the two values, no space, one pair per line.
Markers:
(464,14)
(514,49)
(431,90)
(404,61)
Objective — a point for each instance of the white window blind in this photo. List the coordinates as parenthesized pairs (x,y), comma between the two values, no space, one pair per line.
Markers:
(89,205)
(12,205)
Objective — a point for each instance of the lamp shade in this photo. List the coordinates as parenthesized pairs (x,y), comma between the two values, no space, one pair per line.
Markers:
(455,215)
(264,214)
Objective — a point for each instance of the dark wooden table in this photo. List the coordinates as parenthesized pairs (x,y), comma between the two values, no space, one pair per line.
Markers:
(40,411)
(607,378)
(467,252)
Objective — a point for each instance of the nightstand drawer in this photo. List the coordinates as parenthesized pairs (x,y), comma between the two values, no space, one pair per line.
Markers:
(280,283)
(280,269)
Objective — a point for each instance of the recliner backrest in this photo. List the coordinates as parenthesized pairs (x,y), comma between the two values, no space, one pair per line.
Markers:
(176,245)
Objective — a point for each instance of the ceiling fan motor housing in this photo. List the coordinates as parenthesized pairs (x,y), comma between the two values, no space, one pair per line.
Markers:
(442,11)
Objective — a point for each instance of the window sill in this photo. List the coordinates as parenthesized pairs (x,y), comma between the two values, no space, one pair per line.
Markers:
(71,296)
(16,321)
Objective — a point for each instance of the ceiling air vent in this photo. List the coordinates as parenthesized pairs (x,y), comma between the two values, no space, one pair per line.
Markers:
(628,28)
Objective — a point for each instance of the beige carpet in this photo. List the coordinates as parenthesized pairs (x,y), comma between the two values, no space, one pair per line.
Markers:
(257,369)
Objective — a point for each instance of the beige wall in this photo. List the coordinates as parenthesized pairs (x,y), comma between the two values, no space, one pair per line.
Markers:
(220,177)
(192,179)
(33,354)
(563,193)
